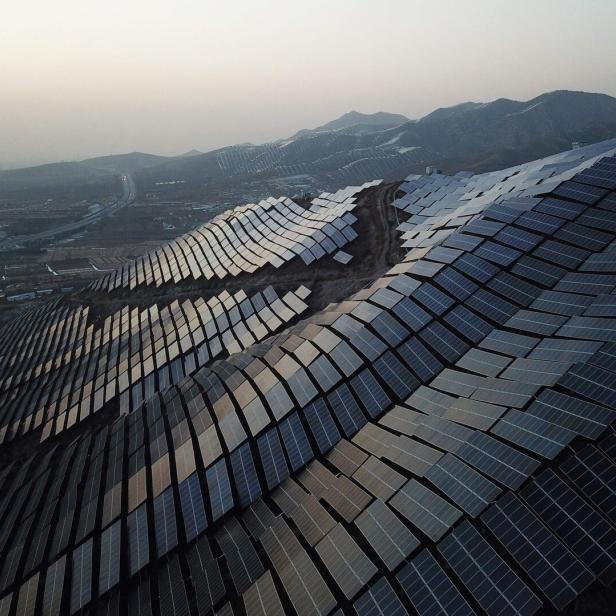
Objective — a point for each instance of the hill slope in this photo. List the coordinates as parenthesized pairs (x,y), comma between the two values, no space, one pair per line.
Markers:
(471,136)
(355,147)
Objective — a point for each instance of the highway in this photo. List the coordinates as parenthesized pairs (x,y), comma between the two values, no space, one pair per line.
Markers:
(129,194)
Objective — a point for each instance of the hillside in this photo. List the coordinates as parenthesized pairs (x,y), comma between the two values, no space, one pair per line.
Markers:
(283,411)
(469,136)
(354,147)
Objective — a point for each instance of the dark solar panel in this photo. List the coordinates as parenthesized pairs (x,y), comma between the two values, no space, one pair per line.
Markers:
(245,475)
(429,588)
(380,598)
(482,571)
(551,566)
(139,549)
(586,533)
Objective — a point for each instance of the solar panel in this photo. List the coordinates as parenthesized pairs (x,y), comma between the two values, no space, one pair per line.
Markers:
(497,460)
(219,488)
(378,478)
(533,433)
(485,353)
(575,523)
(272,458)
(165,527)
(172,591)
(109,571)
(205,575)
(245,475)
(430,513)
(397,377)
(321,425)
(300,578)
(482,571)
(310,517)
(444,342)
(193,509)
(582,193)
(379,598)
(347,563)
(54,584)
(594,475)
(571,413)
(346,457)
(551,566)
(429,588)
(138,544)
(370,393)
(346,410)
(81,584)
(464,486)
(242,560)
(591,382)
(386,534)
(262,599)
(419,359)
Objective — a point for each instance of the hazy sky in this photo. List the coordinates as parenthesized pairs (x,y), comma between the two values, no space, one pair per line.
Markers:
(85,77)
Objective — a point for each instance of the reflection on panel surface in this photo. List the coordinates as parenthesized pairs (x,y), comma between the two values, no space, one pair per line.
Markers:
(441,442)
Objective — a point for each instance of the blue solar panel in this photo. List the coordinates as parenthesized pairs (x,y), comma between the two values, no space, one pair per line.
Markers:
(467,323)
(399,379)
(346,410)
(419,359)
(321,425)
(497,253)
(594,475)
(455,283)
(165,528)
(411,314)
(219,488)
(245,475)
(372,396)
(295,441)
(476,268)
(433,299)
(444,342)
(583,193)
(272,458)
(464,486)
(193,510)
(81,586)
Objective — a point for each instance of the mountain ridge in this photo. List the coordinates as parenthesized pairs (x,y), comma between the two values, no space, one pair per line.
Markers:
(469,136)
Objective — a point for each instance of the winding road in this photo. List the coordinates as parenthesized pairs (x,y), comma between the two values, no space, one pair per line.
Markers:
(129,194)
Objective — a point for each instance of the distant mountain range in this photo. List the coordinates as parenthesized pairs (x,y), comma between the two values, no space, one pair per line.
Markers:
(357,147)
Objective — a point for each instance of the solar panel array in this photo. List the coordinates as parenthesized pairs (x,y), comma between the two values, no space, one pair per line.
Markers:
(58,367)
(441,442)
(246,239)
(439,204)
